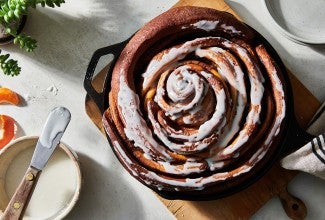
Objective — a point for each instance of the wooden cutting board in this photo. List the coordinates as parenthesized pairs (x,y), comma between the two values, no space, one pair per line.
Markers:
(245,203)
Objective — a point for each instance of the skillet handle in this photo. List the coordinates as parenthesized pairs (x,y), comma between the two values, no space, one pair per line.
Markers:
(100,98)
(297,137)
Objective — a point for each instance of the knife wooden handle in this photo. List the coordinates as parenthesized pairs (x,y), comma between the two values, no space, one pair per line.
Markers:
(19,201)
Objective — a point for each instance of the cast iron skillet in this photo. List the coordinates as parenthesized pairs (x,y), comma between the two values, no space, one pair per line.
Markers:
(294,136)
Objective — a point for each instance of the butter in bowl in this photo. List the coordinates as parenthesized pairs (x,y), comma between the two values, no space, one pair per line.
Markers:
(58,187)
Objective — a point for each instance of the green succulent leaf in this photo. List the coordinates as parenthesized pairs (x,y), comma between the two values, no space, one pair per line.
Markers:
(25,42)
(17,13)
(9,66)
(13,11)
(51,3)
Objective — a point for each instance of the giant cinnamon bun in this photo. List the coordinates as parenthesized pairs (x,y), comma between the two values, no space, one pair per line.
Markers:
(197,103)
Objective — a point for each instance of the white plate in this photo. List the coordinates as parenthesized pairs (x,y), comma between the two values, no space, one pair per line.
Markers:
(299,20)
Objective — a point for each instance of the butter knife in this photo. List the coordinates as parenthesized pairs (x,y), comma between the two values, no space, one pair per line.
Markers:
(52,132)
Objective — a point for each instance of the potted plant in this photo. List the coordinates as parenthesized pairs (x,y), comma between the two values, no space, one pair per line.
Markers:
(12,19)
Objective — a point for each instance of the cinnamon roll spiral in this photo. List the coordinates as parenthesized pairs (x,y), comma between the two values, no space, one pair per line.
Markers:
(196,101)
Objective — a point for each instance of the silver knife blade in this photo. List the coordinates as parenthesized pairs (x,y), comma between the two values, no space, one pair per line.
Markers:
(50,137)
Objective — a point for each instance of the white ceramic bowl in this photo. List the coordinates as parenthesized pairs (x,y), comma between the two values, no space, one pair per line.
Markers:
(58,188)
(302,21)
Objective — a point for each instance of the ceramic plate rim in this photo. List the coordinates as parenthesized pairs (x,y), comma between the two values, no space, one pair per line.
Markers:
(285,32)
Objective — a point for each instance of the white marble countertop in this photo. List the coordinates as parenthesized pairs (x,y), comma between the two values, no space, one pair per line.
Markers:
(53,75)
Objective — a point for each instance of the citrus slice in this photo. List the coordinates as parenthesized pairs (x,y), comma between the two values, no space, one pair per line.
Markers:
(8,96)
(7,130)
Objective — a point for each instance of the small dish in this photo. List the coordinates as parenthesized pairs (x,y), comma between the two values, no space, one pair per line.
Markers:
(58,188)
(299,20)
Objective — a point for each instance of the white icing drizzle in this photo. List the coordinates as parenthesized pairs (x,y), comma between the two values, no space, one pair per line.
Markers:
(136,128)
(214,165)
(178,86)
(230,29)
(163,136)
(138,131)
(206,25)
(184,169)
(218,115)
(256,94)
(161,182)
(205,130)
(279,118)
(155,66)
(243,169)
(195,85)
(122,153)
(56,124)
(236,80)
(258,155)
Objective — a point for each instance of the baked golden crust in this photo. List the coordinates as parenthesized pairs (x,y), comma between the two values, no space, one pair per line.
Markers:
(197,102)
